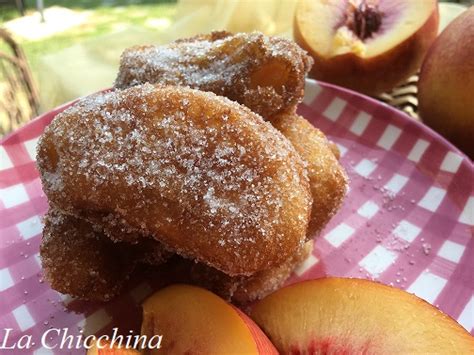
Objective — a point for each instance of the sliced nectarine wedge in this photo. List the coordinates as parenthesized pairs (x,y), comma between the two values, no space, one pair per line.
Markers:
(336,315)
(106,349)
(195,321)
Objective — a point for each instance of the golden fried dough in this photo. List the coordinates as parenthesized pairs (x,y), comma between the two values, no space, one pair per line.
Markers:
(328,179)
(203,175)
(80,262)
(238,289)
(264,282)
(115,228)
(149,251)
(266,74)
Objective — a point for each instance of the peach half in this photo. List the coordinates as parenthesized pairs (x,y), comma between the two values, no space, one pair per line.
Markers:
(366,45)
(193,320)
(353,316)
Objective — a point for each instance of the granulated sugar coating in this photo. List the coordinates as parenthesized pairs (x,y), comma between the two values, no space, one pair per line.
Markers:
(327,178)
(263,73)
(204,175)
(75,261)
(98,268)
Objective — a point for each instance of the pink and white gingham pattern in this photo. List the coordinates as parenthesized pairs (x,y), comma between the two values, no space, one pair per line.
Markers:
(407,220)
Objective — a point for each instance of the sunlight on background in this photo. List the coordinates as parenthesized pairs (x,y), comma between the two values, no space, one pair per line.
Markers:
(76,50)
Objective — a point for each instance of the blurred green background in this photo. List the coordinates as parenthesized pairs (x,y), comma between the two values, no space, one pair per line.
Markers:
(103,17)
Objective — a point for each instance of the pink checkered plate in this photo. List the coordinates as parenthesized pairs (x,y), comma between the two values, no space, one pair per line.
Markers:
(407,221)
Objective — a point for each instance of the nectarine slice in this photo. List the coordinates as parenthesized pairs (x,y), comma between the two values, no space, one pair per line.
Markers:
(366,45)
(193,320)
(337,315)
(106,349)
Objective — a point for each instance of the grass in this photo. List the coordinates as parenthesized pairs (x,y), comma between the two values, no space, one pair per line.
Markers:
(103,19)
(9,12)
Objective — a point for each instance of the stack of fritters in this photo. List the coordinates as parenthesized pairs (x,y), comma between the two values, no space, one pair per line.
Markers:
(196,160)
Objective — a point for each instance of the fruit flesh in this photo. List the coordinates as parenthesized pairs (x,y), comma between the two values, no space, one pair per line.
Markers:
(335,315)
(380,62)
(333,35)
(194,320)
(108,350)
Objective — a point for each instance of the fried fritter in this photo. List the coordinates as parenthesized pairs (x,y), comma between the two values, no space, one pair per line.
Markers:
(328,183)
(266,74)
(79,260)
(203,175)
(242,290)
(328,179)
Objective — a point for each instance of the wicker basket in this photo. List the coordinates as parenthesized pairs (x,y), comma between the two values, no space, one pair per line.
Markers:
(404,97)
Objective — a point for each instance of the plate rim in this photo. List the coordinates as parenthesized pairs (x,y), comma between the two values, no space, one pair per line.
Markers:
(420,125)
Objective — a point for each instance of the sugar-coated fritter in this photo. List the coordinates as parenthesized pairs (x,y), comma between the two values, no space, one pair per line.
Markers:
(163,65)
(79,260)
(266,74)
(242,290)
(328,179)
(203,175)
